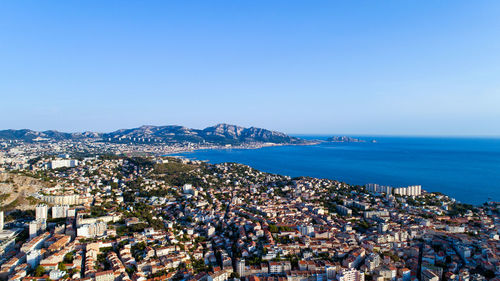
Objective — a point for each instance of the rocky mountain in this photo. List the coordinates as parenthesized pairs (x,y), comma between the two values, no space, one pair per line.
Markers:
(232,133)
(29,135)
(219,134)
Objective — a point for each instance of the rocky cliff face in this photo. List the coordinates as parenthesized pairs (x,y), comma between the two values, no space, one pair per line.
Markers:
(224,130)
(240,134)
(15,190)
(218,134)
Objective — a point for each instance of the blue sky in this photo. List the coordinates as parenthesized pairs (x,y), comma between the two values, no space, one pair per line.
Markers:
(329,67)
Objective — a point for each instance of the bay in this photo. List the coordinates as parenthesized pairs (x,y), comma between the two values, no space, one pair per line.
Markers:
(467,169)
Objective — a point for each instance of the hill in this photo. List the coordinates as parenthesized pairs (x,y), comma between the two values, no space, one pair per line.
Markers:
(220,134)
(15,191)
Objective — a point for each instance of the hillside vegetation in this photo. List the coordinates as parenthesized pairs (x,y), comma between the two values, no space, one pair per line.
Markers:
(15,191)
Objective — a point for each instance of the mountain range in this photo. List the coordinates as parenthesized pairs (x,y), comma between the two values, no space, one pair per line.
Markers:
(220,134)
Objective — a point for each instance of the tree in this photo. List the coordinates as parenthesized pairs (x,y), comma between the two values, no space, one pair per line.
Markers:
(39,271)
(273,228)
(61,266)
(68,258)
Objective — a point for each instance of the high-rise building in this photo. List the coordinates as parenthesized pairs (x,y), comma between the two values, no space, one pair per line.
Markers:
(372,261)
(306,230)
(412,190)
(240,268)
(330,271)
(36,227)
(33,258)
(373,187)
(41,212)
(60,211)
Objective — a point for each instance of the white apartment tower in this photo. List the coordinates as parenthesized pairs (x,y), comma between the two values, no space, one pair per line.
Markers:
(240,268)
(60,211)
(41,212)
(36,227)
(33,258)
(412,190)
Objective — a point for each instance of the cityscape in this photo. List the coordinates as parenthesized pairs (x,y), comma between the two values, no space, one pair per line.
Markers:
(250,140)
(131,213)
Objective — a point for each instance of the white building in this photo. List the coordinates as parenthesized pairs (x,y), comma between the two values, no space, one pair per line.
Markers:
(350,275)
(412,190)
(372,214)
(221,275)
(71,213)
(63,163)
(455,229)
(41,212)
(188,189)
(210,231)
(306,230)
(60,211)
(372,261)
(33,258)
(36,227)
(375,188)
(56,274)
(73,199)
(330,272)
(277,267)
(241,268)
(92,230)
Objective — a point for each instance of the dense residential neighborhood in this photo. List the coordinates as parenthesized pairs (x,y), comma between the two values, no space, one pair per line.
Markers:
(114,211)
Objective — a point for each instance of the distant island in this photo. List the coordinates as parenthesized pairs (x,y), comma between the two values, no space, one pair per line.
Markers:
(345,139)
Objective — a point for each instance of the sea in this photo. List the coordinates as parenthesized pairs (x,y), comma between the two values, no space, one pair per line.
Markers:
(467,169)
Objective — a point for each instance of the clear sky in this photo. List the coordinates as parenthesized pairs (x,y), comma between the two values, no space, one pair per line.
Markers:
(404,67)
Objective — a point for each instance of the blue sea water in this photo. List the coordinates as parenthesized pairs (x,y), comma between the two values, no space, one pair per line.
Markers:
(467,169)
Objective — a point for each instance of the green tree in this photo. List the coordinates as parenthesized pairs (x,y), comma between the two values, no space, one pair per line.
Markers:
(61,266)
(39,271)
(273,228)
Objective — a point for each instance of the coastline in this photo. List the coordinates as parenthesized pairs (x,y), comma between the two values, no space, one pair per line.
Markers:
(247,146)
(434,163)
